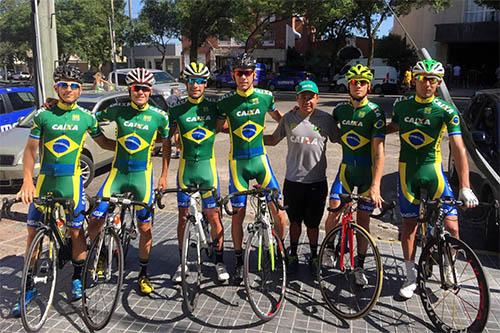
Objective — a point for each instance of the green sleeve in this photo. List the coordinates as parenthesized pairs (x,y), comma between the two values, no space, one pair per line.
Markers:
(395,115)
(36,128)
(108,114)
(94,128)
(164,126)
(378,124)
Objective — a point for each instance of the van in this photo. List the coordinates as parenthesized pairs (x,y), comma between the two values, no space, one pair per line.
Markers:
(15,102)
(385,77)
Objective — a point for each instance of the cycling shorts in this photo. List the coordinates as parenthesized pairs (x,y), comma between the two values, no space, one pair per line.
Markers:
(139,183)
(413,178)
(70,187)
(305,202)
(244,170)
(201,173)
(350,176)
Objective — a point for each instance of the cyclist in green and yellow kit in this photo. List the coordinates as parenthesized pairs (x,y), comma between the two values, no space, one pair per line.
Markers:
(362,135)
(245,111)
(421,121)
(196,121)
(138,125)
(59,132)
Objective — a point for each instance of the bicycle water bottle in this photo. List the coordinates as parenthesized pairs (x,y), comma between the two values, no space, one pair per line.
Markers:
(61,226)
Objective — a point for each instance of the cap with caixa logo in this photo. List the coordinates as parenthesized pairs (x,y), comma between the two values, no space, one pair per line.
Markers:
(306,85)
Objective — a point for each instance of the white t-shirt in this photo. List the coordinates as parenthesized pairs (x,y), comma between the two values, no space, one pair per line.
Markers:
(456,70)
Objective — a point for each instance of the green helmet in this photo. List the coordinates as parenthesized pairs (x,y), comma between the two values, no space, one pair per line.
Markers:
(359,72)
(429,67)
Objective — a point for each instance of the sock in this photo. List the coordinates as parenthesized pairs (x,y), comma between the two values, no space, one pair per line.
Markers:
(293,249)
(314,250)
(77,269)
(219,256)
(239,257)
(360,260)
(144,267)
(411,273)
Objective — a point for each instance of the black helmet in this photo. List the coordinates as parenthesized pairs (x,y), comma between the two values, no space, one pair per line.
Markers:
(67,73)
(243,61)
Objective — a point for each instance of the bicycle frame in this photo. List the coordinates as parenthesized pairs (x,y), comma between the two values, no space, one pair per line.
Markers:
(195,217)
(262,222)
(346,220)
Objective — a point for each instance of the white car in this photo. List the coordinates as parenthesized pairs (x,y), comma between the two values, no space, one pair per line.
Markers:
(164,84)
(21,76)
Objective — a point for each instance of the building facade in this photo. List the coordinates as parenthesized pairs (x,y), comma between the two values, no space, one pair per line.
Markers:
(150,57)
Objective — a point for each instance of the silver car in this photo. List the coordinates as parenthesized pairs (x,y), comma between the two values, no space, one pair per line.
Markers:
(92,157)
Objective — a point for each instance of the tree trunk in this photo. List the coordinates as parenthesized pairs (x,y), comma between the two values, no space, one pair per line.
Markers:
(193,49)
(369,34)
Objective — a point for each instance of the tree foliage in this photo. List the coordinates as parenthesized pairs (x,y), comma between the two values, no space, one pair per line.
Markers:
(397,52)
(16,35)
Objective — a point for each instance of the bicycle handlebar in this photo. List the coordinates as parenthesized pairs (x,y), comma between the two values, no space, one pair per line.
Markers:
(188,190)
(254,192)
(458,203)
(125,200)
(347,198)
(42,201)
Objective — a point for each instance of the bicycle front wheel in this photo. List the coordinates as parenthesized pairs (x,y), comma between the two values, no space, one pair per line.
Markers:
(460,302)
(349,285)
(191,266)
(128,229)
(264,274)
(38,281)
(102,279)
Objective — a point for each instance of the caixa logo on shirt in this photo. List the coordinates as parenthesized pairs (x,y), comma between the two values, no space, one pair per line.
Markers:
(304,140)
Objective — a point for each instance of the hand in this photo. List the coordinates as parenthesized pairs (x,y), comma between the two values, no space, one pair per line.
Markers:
(375,196)
(50,103)
(27,192)
(468,197)
(162,183)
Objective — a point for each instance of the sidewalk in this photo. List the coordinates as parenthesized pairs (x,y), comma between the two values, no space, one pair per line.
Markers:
(223,308)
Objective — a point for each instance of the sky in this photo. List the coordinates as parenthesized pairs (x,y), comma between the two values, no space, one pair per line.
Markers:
(385,28)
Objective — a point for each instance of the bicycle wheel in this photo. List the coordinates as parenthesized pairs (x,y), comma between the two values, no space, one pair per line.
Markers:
(191,265)
(102,279)
(41,265)
(127,231)
(461,302)
(344,294)
(264,274)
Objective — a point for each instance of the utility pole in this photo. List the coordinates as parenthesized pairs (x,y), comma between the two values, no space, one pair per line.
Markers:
(132,59)
(113,45)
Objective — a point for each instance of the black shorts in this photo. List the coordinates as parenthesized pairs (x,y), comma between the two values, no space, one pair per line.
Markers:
(306,202)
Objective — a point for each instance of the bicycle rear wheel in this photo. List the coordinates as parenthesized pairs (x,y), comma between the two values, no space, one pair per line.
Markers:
(41,265)
(264,274)
(347,295)
(191,265)
(460,302)
(102,279)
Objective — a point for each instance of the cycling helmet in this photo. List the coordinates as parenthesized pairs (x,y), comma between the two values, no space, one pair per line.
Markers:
(67,73)
(429,67)
(243,61)
(359,72)
(196,69)
(140,76)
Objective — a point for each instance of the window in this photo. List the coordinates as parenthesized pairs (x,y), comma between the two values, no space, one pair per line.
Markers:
(268,39)
(2,106)
(475,13)
(139,63)
(158,64)
(21,100)
(121,79)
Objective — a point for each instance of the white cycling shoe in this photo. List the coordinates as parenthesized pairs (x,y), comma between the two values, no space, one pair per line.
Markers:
(408,288)
(177,278)
(360,277)
(222,274)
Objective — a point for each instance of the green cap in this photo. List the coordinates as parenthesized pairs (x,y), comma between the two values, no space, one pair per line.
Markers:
(306,85)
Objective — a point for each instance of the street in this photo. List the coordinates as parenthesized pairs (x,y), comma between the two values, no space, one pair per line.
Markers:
(223,307)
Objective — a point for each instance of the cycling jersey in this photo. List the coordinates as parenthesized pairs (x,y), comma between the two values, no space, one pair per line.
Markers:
(132,170)
(358,126)
(136,130)
(246,115)
(421,128)
(196,122)
(62,131)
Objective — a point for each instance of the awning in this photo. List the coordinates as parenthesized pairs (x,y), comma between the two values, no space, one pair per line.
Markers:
(477,32)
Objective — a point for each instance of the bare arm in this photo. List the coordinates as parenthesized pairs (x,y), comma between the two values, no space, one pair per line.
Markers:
(271,139)
(276,115)
(105,143)
(391,128)
(166,150)
(27,191)
(378,170)
(459,155)
(222,126)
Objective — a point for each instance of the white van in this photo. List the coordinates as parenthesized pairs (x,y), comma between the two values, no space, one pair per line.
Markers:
(385,77)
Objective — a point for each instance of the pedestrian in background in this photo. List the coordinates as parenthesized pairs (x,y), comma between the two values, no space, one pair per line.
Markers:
(100,84)
(173,99)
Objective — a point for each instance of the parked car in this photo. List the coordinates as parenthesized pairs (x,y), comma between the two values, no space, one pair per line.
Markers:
(92,157)
(21,76)
(223,78)
(385,77)
(287,80)
(163,86)
(481,135)
(15,102)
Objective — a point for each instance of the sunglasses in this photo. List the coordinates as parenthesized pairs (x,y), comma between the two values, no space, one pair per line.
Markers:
(197,80)
(65,85)
(137,88)
(240,73)
(360,83)
(430,79)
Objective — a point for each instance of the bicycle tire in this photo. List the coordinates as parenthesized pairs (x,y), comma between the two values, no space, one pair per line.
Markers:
(275,302)
(30,324)
(463,255)
(335,292)
(91,279)
(127,221)
(191,278)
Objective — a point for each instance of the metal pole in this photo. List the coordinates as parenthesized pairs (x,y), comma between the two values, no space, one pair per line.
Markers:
(132,59)
(38,57)
(113,46)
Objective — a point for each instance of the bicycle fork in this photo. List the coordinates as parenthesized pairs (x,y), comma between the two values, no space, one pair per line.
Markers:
(349,233)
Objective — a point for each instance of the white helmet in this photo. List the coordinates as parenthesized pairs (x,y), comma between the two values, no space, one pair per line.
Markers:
(140,76)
